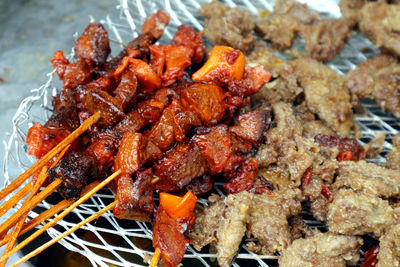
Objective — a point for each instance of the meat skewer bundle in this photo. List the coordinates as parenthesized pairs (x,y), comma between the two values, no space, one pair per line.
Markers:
(153,118)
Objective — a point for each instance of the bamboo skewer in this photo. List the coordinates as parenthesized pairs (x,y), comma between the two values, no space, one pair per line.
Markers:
(156,258)
(46,158)
(48,213)
(60,216)
(69,231)
(14,234)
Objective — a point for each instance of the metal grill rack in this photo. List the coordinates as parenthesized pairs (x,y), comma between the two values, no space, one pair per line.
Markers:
(121,243)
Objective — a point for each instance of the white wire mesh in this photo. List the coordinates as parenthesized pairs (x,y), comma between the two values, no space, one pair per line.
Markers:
(109,241)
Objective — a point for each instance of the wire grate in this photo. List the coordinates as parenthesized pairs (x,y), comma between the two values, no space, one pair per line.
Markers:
(109,241)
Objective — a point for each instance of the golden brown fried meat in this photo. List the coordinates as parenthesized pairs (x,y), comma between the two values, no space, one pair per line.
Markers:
(351,9)
(389,251)
(322,250)
(393,157)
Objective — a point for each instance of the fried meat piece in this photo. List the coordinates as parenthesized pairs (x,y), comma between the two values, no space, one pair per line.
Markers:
(375,146)
(227,26)
(393,157)
(65,111)
(351,9)
(324,249)
(389,247)
(357,152)
(269,215)
(223,224)
(369,178)
(327,38)
(379,22)
(358,213)
(281,27)
(125,93)
(379,79)
(93,44)
(156,23)
(245,178)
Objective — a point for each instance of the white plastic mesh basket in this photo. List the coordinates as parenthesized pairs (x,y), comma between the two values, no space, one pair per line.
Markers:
(109,241)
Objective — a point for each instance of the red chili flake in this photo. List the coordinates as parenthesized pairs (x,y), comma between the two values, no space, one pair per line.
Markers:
(370,259)
(306,178)
(326,192)
(345,155)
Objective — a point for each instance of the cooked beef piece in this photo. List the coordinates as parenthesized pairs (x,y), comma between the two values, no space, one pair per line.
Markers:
(281,27)
(369,178)
(393,157)
(380,23)
(389,247)
(269,215)
(93,44)
(223,224)
(327,38)
(329,100)
(227,26)
(201,185)
(351,9)
(323,249)
(65,112)
(125,93)
(252,126)
(156,23)
(76,170)
(245,178)
(375,146)
(357,152)
(76,73)
(187,36)
(135,197)
(377,78)
(103,148)
(179,167)
(358,213)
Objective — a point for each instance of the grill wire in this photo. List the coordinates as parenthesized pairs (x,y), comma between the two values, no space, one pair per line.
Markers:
(109,241)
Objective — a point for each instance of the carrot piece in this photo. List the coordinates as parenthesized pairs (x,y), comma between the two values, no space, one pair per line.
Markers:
(178,207)
(223,59)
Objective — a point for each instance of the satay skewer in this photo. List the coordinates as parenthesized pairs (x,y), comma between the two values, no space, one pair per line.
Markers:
(60,216)
(46,158)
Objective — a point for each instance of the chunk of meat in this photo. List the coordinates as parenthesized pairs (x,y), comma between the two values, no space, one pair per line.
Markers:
(187,36)
(93,44)
(369,178)
(375,146)
(377,78)
(351,9)
(393,157)
(76,170)
(252,126)
(379,22)
(201,185)
(76,73)
(357,152)
(323,249)
(103,148)
(177,59)
(59,62)
(245,178)
(156,23)
(389,243)
(327,38)
(130,154)
(179,167)
(358,213)
(135,197)
(125,93)
(206,100)
(227,26)
(65,112)
(269,215)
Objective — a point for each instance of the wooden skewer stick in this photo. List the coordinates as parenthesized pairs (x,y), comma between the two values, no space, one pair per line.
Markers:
(10,222)
(26,189)
(14,234)
(57,149)
(69,231)
(61,215)
(156,258)
(48,213)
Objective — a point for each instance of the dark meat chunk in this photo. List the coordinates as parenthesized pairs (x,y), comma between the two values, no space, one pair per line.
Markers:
(358,213)
(59,62)
(252,126)
(156,23)
(77,73)
(323,249)
(377,78)
(187,36)
(103,148)
(327,38)
(269,215)
(244,180)
(125,93)
(357,152)
(65,112)
(76,170)
(393,157)
(93,44)
(389,247)
(135,197)
(179,167)
(379,22)
(130,154)
(227,26)
(351,9)
(201,185)
(369,178)
(281,27)
(206,100)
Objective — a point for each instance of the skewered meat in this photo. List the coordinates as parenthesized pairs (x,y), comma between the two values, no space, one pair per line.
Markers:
(155,24)
(376,78)
(369,178)
(327,38)
(358,213)
(322,250)
(245,178)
